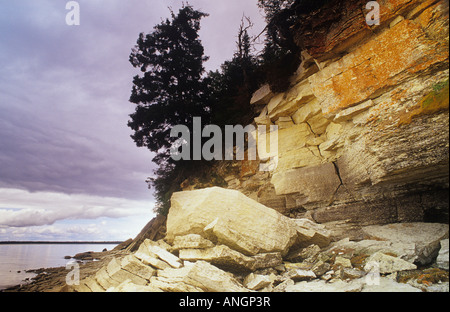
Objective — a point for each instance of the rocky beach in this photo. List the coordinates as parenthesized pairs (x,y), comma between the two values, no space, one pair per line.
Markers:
(227,250)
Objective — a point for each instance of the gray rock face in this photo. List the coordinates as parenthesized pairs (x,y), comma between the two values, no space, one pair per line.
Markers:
(425,237)
(442,259)
(316,184)
(360,141)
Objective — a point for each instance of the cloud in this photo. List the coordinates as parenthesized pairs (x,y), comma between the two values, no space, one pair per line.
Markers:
(42,158)
(115,230)
(20,208)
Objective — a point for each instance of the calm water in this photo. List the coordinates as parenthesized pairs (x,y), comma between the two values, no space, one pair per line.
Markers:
(14,258)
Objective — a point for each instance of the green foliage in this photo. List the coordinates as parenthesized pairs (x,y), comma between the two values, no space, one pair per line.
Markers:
(231,91)
(231,88)
(281,56)
(170,91)
(273,7)
(440,85)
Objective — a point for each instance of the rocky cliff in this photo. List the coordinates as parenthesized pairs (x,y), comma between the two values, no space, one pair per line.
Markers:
(364,128)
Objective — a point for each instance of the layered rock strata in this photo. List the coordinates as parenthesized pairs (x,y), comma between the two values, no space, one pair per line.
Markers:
(363,133)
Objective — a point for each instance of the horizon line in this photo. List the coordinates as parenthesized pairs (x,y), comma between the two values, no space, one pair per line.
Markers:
(59,242)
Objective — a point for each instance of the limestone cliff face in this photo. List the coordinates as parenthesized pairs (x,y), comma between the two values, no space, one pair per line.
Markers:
(364,131)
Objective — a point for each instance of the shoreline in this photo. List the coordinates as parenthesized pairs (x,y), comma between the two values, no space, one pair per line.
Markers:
(54,279)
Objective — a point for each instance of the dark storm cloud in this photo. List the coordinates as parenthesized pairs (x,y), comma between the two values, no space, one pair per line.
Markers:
(64,90)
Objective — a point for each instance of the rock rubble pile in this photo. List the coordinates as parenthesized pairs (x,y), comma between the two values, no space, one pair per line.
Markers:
(219,240)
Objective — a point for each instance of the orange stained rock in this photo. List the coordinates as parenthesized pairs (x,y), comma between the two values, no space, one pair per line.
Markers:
(383,62)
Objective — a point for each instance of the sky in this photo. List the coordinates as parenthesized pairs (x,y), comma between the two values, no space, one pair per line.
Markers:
(68,167)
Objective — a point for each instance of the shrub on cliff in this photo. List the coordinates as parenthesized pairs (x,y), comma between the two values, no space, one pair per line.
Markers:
(281,54)
(231,88)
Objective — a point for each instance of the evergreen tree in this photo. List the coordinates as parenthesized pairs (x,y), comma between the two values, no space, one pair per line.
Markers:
(170,91)
(281,56)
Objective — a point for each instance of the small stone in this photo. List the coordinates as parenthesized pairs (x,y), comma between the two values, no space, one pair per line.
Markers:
(151,259)
(301,275)
(424,237)
(397,20)
(221,256)
(320,268)
(353,111)
(442,287)
(349,273)
(266,260)
(283,285)
(128,286)
(323,286)
(308,254)
(162,254)
(256,281)
(386,264)
(284,122)
(328,275)
(344,262)
(386,285)
(262,96)
(280,268)
(294,266)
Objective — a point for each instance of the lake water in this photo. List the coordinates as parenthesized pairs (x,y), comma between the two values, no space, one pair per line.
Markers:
(22,257)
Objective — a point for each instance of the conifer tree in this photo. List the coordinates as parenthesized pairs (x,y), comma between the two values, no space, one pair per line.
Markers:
(169,92)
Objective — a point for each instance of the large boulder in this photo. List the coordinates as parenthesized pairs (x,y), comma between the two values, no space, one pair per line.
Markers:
(387,264)
(311,233)
(231,219)
(228,259)
(198,277)
(424,238)
(220,256)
